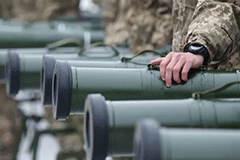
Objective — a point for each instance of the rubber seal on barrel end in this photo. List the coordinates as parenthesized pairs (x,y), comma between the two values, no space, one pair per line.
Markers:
(96,133)
(147,140)
(61,91)
(12,74)
(47,71)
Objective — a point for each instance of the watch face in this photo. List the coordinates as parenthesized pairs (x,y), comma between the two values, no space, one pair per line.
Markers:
(195,48)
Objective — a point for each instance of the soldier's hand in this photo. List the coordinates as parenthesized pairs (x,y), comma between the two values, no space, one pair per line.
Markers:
(174,62)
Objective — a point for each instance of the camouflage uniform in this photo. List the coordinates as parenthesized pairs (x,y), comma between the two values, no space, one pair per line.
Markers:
(149,24)
(114,13)
(214,24)
(6,9)
(37,9)
(146,24)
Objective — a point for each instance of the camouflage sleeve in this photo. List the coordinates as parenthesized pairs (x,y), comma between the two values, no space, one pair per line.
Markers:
(110,10)
(216,26)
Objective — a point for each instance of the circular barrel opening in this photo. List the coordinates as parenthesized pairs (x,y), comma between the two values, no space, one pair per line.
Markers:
(48,66)
(12,74)
(42,79)
(147,140)
(96,130)
(61,91)
(87,128)
(8,80)
(55,89)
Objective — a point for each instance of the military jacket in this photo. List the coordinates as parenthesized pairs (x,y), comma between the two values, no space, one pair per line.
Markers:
(36,9)
(214,24)
(150,24)
(145,24)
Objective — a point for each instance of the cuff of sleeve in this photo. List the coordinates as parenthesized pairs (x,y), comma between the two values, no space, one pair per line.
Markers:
(201,41)
(200,50)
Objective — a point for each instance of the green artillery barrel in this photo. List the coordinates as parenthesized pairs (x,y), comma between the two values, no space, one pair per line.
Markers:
(21,35)
(152,142)
(49,64)
(138,62)
(33,51)
(23,71)
(129,84)
(109,125)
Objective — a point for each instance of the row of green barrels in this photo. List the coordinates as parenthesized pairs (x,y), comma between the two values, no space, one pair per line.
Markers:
(191,129)
(154,142)
(66,79)
(26,69)
(134,91)
(109,125)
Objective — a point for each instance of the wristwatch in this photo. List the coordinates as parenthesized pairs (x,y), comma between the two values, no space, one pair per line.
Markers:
(199,49)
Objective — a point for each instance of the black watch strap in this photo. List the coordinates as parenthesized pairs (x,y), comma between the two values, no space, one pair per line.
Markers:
(200,49)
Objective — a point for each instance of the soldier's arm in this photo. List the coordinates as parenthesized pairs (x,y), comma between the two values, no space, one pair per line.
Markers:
(215,26)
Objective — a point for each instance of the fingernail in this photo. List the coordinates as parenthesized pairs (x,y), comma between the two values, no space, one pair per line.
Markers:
(168,85)
(163,79)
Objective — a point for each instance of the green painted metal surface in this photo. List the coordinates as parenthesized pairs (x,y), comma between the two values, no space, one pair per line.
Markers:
(16,34)
(31,51)
(138,63)
(97,59)
(153,142)
(137,84)
(30,65)
(121,117)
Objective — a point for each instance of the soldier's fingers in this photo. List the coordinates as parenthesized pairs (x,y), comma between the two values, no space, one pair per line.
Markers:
(185,70)
(176,70)
(169,71)
(163,66)
(156,61)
